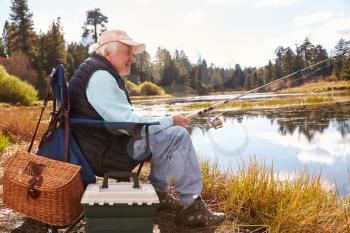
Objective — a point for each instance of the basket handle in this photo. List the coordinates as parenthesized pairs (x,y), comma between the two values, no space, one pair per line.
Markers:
(117,175)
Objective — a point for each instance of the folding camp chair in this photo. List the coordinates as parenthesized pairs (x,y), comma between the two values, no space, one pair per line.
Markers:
(58,142)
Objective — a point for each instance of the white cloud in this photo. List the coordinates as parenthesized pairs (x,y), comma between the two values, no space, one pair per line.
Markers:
(219,2)
(313,19)
(324,149)
(325,29)
(143,2)
(311,156)
(194,17)
(275,3)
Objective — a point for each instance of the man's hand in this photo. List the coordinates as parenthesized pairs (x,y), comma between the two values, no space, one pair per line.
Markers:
(181,120)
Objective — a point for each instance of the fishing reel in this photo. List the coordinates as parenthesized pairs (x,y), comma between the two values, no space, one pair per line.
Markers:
(215,123)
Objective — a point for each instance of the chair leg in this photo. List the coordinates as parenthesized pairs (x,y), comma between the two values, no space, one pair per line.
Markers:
(52,229)
(71,226)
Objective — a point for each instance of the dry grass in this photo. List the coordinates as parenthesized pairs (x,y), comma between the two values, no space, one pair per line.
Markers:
(321,86)
(254,195)
(150,97)
(19,122)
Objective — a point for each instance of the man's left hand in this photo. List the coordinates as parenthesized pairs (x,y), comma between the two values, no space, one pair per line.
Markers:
(181,120)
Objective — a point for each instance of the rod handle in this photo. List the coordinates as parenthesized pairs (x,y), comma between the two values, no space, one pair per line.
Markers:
(192,115)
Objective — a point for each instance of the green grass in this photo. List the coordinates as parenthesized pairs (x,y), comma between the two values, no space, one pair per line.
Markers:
(4,142)
(263,103)
(253,195)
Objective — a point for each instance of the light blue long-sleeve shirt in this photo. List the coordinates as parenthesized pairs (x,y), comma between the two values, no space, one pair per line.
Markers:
(111,103)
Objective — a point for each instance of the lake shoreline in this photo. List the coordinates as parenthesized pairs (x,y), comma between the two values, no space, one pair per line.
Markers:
(269,103)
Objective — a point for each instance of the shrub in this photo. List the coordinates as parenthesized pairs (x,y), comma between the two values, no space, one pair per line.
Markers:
(148,88)
(4,142)
(132,88)
(19,65)
(13,90)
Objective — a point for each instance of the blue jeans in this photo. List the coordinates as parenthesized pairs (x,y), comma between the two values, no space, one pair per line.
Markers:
(173,155)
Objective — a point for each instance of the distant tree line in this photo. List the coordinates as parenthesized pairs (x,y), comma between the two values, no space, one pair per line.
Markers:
(31,56)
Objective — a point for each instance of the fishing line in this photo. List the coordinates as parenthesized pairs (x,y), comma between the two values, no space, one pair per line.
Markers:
(217,122)
(234,151)
(305,76)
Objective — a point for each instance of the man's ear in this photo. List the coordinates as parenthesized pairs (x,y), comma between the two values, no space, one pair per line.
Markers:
(107,54)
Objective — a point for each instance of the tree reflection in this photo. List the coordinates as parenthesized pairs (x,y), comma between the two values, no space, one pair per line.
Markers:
(306,120)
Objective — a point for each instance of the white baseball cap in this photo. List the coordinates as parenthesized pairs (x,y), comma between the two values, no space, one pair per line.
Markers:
(120,36)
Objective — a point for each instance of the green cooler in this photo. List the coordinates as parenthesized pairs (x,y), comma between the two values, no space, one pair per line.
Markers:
(119,206)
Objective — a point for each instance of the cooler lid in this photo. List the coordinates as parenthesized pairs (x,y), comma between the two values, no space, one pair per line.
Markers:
(119,193)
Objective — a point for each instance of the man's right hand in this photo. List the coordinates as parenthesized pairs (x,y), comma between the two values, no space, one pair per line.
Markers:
(181,120)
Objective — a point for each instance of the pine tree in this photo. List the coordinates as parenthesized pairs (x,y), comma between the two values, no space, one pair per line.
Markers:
(254,79)
(144,68)
(134,76)
(320,54)
(94,25)
(216,80)
(41,83)
(268,72)
(278,62)
(306,50)
(2,48)
(76,54)
(288,61)
(167,68)
(240,74)
(55,52)
(205,78)
(7,35)
(183,66)
(23,36)
(340,49)
(170,76)
(195,80)
(248,78)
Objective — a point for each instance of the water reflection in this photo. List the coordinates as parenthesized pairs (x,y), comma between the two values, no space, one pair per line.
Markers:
(290,138)
(304,120)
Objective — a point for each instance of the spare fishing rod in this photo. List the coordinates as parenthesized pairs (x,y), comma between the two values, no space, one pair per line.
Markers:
(217,122)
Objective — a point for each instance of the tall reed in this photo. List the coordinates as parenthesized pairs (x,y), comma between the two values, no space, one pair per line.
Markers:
(254,194)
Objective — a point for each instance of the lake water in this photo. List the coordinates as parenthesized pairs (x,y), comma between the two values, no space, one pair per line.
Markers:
(290,138)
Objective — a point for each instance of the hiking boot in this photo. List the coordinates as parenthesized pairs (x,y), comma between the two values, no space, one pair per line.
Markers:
(198,215)
(167,201)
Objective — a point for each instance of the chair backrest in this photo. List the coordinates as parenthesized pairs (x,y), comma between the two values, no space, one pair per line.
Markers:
(58,85)
(57,142)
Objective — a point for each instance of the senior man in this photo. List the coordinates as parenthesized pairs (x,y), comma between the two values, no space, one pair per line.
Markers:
(97,91)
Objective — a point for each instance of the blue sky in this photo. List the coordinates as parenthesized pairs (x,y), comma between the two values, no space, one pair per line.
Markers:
(224,32)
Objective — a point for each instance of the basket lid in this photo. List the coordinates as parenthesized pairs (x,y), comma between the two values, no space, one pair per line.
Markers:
(23,166)
(119,193)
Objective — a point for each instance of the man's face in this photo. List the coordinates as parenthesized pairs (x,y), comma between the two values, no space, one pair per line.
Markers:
(122,59)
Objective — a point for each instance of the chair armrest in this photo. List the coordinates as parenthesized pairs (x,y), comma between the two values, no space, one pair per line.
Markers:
(132,128)
(102,123)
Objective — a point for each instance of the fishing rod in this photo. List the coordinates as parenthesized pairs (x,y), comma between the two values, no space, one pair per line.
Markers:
(218,123)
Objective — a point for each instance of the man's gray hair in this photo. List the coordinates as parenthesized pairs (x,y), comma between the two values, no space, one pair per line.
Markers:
(111,47)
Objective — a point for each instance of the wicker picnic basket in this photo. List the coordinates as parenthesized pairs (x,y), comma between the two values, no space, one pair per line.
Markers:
(43,189)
